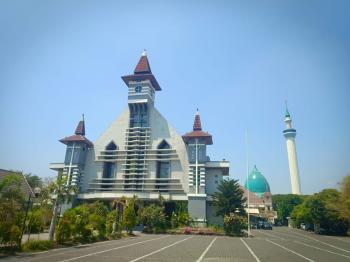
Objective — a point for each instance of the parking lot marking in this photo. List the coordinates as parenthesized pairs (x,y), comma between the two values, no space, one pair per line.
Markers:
(322,242)
(206,250)
(296,253)
(250,250)
(271,235)
(89,246)
(339,238)
(103,251)
(161,249)
(302,243)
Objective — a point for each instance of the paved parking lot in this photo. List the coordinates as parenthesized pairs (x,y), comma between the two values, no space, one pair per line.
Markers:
(280,244)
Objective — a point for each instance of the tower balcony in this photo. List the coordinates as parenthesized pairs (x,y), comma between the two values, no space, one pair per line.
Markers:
(290,132)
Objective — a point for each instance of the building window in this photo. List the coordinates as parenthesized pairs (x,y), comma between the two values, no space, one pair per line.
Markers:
(109,168)
(163,169)
(163,165)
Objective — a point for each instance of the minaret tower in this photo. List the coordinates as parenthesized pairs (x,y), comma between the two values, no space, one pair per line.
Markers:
(290,133)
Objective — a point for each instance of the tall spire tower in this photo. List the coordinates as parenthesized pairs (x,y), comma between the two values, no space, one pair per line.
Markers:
(290,133)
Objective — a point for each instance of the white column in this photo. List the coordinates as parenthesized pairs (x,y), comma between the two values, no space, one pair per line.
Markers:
(70,165)
(293,165)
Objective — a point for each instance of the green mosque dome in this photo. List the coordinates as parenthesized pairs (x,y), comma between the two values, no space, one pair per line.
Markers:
(257,183)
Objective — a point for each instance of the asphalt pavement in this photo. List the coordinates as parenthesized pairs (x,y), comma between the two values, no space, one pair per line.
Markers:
(280,244)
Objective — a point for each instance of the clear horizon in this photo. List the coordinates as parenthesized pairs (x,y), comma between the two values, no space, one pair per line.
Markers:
(236,61)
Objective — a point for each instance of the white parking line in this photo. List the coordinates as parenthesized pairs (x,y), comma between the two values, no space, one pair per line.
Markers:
(250,250)
(296,253)
(322,242)
(161,249)
(345,239)
(206,250)
(73,248)
(271,235)
(325,250)
(103,251)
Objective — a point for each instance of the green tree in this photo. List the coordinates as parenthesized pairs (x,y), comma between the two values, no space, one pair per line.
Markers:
(345,198)
(284,204)
(129,216)
(229,198)
(33,180)
(11,209)
(322,209)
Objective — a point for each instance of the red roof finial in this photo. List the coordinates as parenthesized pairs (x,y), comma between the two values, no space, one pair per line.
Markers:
(143,66)
(197,126)
(80,130)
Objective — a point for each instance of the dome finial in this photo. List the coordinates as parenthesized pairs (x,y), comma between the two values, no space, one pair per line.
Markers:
(144,52)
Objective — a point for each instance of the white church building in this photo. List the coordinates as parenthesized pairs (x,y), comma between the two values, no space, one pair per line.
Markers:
(141,154)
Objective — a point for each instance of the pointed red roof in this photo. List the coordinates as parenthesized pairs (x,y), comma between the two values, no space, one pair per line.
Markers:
(79,135)
(197,126)
(143,66)
(80,130)
(142,72)
(197,132)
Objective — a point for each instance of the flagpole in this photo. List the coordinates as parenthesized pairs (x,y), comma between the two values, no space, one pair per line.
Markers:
(247,171)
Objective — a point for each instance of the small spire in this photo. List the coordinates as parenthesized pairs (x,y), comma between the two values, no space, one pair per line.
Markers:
(144,52)
(80,130)
(287,112)
(197,125)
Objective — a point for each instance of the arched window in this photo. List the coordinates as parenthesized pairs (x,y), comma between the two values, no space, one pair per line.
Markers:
(163,164)
(109,168)
(111,146)
(163,145)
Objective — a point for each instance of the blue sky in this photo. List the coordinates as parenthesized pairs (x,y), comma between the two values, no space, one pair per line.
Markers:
(237,61)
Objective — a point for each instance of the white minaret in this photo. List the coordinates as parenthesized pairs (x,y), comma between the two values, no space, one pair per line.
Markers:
(290,133)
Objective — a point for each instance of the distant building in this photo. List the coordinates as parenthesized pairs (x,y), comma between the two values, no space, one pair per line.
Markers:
(260,198)
(141,154)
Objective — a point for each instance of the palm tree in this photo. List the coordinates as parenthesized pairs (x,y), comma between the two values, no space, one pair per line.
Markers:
(229,198)
(63,194)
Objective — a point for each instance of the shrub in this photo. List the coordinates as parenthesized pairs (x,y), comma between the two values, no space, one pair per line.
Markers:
(153,218)
(234,224)
(129,217)
(113,227)
(63,230)
(35,245)
(36,222)
(180,219)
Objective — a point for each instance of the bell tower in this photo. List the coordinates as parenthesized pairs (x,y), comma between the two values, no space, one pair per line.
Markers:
(142,86)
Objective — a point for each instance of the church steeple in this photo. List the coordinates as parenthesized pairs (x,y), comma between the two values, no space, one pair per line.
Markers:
(197,132)
(142,73)
(80,130)
(143,66)
(197,125)
(79,135)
